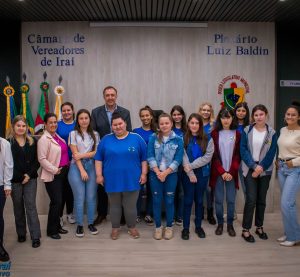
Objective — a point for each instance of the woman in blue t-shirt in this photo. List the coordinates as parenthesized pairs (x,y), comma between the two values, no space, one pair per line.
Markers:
(145,131)
(179,127)
(165,152)
(121,167)
(64,127)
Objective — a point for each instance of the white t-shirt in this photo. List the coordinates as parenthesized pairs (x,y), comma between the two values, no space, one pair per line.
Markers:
(257,143)
(84,145)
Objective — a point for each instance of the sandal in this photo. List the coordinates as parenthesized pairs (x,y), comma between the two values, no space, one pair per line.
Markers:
(248,238)
(134,233)
(114,233)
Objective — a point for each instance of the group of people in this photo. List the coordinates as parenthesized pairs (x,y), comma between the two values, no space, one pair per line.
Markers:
(96,159)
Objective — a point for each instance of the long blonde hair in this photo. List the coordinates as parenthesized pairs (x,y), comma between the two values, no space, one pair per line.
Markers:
(12,134)
(212,115)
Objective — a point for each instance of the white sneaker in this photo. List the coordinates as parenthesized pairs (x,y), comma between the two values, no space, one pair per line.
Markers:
(61,222)
(158,233)
(288,243)
(71,218)
(168,233)
(282,239)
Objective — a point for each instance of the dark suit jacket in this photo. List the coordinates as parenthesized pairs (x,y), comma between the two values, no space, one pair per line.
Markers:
(100,120)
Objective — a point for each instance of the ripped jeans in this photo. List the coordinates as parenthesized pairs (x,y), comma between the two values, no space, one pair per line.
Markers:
(163,191)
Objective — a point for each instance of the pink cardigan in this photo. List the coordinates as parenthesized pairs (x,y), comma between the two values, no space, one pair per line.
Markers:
(49,154)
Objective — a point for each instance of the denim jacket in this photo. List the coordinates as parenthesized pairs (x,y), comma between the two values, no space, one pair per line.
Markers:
(171,150)
(267,152)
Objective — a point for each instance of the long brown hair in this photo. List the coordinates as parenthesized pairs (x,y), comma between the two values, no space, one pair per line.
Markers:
(183,121)
(12,134)
(89,129)
(201,137)
(159,133)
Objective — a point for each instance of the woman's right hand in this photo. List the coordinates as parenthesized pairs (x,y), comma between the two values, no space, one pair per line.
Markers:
(58,171)
(100,180)
(193,179)
(84,175)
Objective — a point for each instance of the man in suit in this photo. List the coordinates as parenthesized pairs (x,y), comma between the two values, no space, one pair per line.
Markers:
(101,122)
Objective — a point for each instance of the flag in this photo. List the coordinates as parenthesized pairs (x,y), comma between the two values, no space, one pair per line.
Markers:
(43,108)
(59,91)
(11,110)
(25,107)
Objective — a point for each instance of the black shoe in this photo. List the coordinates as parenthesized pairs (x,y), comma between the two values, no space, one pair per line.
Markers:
(185,234)
(21,238)
(55,236)
(210,217)
(99,219)
(261,234)
(79,231)
(230,230)
(200,232)
(36,243)
(219,230)
(4,257)
(249,238)
(62,231)
(92,229)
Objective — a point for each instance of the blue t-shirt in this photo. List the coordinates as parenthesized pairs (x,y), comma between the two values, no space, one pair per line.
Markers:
(63,130)
(145,134)
(178,132)
(240,128)
(207,130)
(121,162)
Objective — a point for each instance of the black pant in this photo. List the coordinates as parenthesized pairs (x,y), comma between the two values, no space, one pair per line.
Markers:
(2,203)
(55,191)
(102,201)
(67,196)
(256,192)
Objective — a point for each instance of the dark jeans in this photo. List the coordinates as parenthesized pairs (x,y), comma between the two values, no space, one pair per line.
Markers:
(67,197)
(102,205)
(193,192)
(24,198)
(145,191)
(2,203)
(55,190)
(256,192)
(179,195)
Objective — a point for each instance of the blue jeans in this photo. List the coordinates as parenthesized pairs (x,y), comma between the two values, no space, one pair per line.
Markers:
(179,195)
(163,191)
(2,203)
(289,180)
(230,200)
(193,192)
(84,190)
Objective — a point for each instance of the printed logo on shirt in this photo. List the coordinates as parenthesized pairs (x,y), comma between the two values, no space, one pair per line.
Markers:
(131,149)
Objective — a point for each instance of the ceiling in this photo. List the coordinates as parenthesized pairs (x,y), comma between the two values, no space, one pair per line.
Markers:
(151,10)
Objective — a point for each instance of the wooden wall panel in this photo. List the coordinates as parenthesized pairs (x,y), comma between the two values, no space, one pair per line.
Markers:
(160,67)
